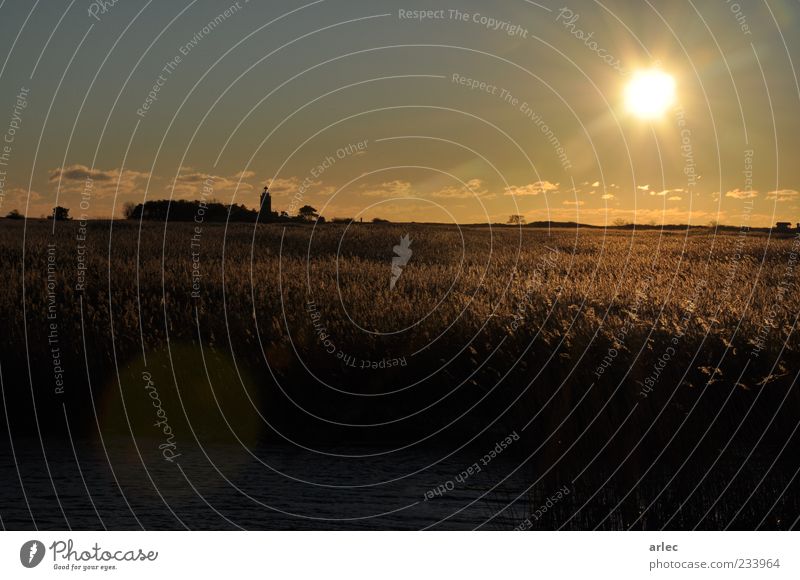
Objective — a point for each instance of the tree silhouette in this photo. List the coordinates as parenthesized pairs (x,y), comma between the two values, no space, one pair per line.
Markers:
(307,212)
(516,220)
(60,213)
(14,215)
(181,210)
(128,209)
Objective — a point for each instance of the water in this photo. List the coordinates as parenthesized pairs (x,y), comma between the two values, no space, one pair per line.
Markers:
(268,487)
(281,487)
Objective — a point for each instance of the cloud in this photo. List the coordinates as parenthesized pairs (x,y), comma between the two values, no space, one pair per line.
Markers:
(31,203)
(473,188)
(17,198)
(194,177)
(782,195)
(596,184)
(191,183)
(742,194)
(574,203)
(284,186)
(534,188)
(643,187)
(81,173)
(394,188)
(245,175)
(667,192)
(19,195)
(79,178)
(607,196)
(674,198)
(402,188)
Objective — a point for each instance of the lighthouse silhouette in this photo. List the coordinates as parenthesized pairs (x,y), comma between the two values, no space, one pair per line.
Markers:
(266,204)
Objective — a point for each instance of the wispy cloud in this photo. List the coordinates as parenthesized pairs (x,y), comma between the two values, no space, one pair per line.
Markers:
(285,186)
(742,194)
(666,192)
(473,188)
(394,188)
(191,183)
(19,198)
(534,188)
(79,178)
(782,195)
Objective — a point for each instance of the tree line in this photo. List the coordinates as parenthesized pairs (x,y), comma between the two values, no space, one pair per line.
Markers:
(181,210)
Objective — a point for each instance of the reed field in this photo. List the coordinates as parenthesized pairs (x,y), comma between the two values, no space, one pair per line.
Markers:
(731,295)
(609,351)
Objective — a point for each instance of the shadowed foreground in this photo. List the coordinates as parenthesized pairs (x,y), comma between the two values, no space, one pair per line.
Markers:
(274,377)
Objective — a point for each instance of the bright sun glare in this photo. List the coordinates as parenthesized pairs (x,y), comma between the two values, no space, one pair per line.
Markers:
(649,94)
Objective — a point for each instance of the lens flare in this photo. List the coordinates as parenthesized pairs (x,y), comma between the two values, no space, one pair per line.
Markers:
(649,94)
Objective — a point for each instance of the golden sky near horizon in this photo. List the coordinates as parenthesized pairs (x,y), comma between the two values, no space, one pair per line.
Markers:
(654,112)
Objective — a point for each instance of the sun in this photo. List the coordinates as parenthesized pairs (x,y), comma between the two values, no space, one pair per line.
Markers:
(650,93)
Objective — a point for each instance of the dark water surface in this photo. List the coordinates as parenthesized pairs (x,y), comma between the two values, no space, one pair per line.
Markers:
(270,487)
(87,485)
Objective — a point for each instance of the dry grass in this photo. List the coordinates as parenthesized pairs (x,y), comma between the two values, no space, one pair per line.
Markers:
(503,329)
(510,283)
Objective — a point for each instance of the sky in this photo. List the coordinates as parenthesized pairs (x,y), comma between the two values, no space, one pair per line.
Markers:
(456,111)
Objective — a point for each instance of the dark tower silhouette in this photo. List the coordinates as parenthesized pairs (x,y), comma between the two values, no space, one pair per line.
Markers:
(266,204)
